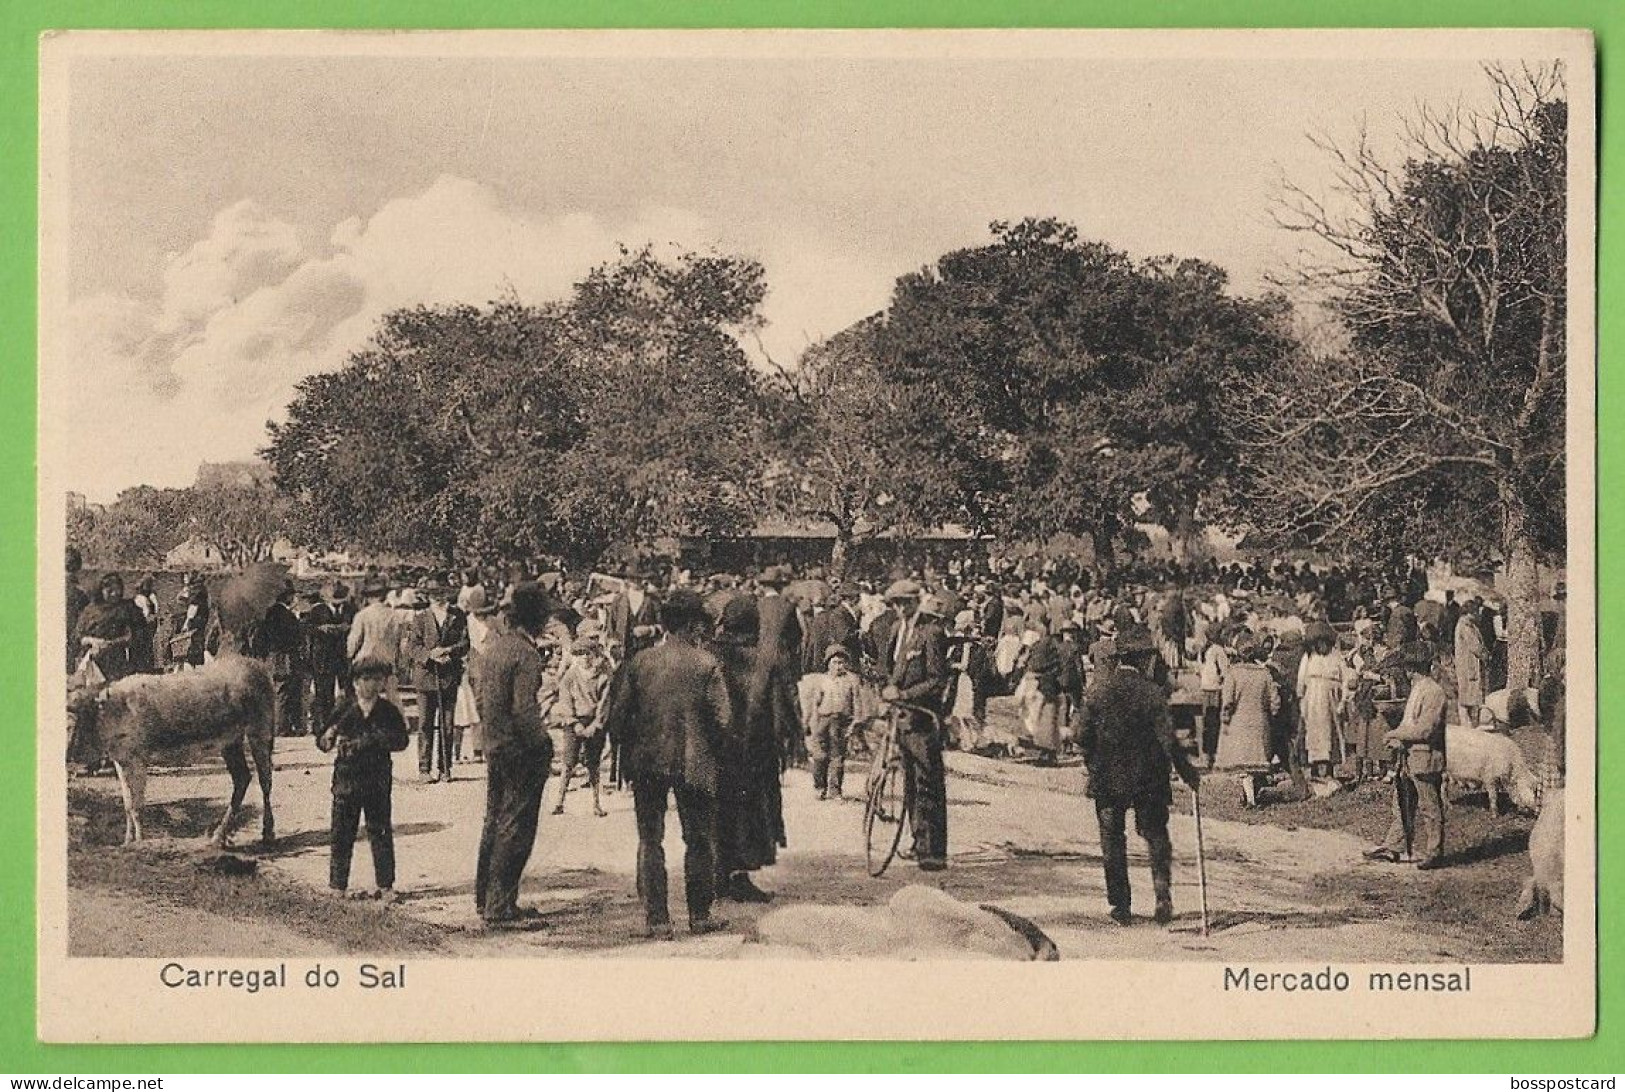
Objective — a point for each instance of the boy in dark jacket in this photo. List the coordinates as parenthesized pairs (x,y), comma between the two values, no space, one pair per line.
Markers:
(364,731)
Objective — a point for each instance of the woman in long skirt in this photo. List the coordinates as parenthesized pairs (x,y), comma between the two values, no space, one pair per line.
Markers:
(1367,725)
(1320,700)
(1249,702)
(465,716)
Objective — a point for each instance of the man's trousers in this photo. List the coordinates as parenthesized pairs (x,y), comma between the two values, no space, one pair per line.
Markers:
(435,709)
(925,787)
(1151,823)
(1417,826)
(828,752)
(353,800)
(515,776)
(696,812)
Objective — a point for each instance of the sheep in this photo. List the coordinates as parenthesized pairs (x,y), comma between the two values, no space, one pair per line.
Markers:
(1544,890)
(1491,760)
(214,709)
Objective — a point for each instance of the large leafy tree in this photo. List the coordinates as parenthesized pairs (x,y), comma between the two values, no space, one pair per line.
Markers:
(604,420)
(1085,387)
(1449,269)
(855,450)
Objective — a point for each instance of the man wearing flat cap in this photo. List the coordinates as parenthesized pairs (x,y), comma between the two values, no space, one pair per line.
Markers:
(914,659)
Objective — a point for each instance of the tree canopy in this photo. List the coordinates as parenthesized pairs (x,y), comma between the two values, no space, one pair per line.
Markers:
(1083,388)
(514,430)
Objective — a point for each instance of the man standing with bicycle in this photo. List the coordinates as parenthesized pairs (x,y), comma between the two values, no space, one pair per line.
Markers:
(913,659)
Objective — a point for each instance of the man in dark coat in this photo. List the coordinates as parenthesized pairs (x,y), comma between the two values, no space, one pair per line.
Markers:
(518,754)
(669,708)
(987,608)
(634,615)
(838,626)
(279,640)
(436,643)
(1129,747)
(750,809)
(914,659)
(327,626)
(779,648)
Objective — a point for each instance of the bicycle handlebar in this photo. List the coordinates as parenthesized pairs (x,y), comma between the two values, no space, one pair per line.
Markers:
(912,708)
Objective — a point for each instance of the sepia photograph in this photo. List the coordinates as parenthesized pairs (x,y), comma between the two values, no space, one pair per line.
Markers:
(812,523)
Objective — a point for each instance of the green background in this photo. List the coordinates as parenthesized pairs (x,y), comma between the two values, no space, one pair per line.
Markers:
(20,26)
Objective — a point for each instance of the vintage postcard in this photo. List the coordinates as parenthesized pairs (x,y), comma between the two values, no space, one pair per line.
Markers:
(816,535)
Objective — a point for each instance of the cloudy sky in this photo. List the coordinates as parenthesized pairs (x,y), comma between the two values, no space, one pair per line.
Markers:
(235,223)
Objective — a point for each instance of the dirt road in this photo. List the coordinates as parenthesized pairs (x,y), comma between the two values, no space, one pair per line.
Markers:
(1021,837)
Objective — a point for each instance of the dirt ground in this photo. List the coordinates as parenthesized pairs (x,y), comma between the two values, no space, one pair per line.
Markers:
(1286,882)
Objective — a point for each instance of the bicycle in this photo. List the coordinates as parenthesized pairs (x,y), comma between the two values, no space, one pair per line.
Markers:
(887,810)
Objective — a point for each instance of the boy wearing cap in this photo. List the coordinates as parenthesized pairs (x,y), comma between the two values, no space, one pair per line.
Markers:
(365,731)
(835,707)
(579,712)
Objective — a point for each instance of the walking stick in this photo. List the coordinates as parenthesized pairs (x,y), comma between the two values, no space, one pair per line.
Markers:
(1201,857)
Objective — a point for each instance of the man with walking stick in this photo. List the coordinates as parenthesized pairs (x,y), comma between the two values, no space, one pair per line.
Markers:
(1130,750)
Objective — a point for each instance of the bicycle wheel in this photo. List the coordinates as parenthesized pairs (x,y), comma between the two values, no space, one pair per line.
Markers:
(885,809)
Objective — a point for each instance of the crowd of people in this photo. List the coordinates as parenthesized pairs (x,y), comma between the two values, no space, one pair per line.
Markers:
(702,689)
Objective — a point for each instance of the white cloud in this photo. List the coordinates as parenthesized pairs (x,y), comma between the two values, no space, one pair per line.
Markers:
(158,385)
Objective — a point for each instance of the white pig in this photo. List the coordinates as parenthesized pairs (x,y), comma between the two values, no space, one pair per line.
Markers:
(1496,762)
(1544,891)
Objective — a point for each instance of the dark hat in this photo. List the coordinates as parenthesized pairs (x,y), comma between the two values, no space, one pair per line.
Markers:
(528,606)
(682,609)
(371,667)
(777,575)
(374,586)
(1134,640)
(341,592)
(837,652)
(741,617)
